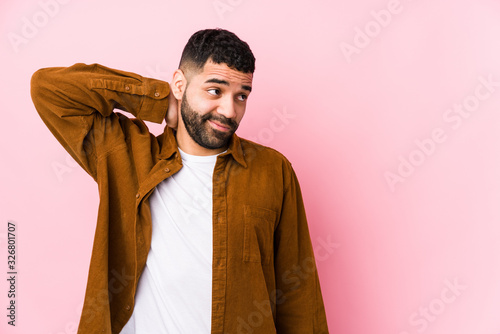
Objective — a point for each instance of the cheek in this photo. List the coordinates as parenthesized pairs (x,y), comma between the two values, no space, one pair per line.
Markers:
(202,106)
(240,112)
(206,106)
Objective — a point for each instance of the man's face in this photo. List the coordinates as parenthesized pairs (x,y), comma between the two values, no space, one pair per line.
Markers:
(214,103)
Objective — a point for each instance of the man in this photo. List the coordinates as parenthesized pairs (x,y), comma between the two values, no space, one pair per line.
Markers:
(198,230)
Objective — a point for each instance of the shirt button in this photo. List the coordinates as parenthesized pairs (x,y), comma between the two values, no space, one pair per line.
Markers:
(157,94)
(167,170)
(137,195)
(127,87)
(127,307)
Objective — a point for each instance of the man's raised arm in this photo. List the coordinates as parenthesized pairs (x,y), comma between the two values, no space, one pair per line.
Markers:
(76,103)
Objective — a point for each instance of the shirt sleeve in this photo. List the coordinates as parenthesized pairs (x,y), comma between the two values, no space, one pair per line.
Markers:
(76,103)
(299,303)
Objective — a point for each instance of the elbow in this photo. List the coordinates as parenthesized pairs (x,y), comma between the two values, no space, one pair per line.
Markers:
(42,91)
(43,87)
(38,81)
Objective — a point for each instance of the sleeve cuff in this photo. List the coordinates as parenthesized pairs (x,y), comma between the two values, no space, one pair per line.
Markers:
(155,103)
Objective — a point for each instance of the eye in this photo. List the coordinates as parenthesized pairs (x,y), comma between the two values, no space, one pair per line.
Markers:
(214,91)
(242,97)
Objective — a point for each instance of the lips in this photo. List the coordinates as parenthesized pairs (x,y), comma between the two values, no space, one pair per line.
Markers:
(219,126)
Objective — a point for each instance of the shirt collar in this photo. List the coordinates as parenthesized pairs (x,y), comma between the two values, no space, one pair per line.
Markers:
(169,147)
(236,150)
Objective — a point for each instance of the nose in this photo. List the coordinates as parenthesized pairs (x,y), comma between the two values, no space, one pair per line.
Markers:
(227,107)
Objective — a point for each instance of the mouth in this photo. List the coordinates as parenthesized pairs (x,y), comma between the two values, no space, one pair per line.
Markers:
(219,127)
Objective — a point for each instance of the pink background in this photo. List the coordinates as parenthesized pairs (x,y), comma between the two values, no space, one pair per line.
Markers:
(387,254)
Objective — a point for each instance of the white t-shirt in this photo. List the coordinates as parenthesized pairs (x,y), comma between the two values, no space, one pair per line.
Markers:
(174,293)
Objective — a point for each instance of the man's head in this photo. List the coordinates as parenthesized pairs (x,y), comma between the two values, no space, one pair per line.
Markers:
(219,45)
(212,84)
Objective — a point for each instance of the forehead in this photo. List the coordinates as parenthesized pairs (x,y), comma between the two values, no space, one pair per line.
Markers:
(224,72)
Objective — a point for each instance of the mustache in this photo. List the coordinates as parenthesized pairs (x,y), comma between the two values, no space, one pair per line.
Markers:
(220,119)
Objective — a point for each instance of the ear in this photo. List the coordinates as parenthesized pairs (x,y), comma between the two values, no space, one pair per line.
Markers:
(178,84)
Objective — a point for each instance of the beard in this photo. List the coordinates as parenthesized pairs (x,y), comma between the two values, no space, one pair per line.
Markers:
(201,131)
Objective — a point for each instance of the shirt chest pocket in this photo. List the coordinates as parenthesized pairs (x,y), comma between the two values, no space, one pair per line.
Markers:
(258,234)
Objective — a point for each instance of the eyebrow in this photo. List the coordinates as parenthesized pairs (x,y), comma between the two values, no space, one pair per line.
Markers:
(224,82)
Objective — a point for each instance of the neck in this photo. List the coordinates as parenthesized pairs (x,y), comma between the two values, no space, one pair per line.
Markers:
(188,145)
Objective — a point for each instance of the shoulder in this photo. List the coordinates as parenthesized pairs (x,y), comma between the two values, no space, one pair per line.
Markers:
(265,156)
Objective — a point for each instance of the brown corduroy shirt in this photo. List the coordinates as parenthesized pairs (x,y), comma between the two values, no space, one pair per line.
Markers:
(264,273)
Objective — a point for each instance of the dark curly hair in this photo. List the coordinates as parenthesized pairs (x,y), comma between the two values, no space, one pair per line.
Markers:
(221,46)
